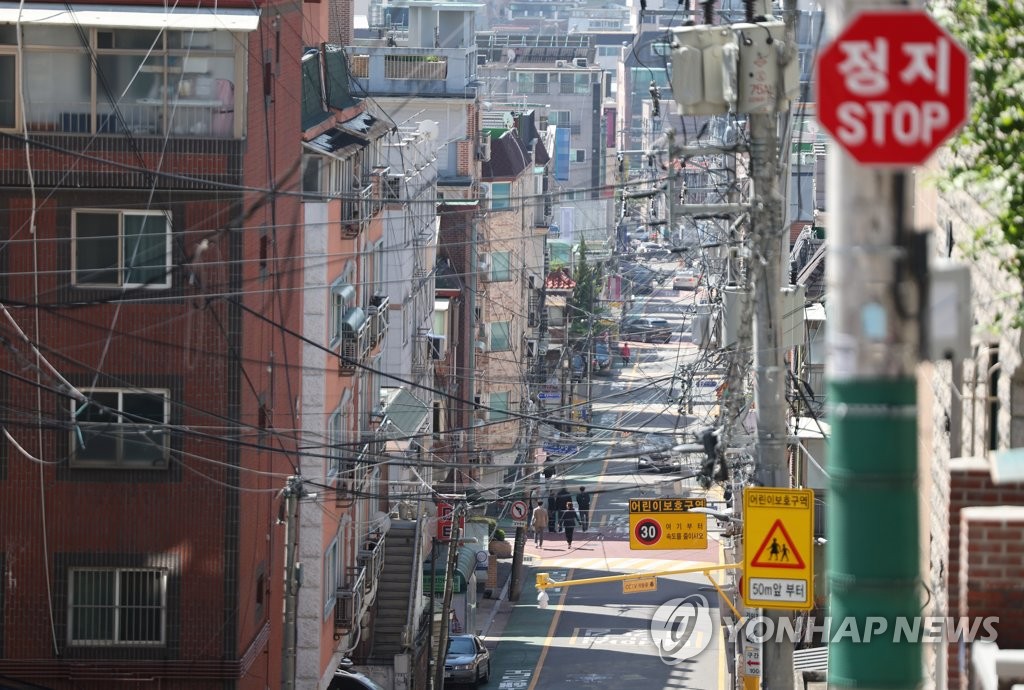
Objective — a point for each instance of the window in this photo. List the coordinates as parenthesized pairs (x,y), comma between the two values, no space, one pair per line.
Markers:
(342,297)
(501,263)
(501,336)
(559,118)
(335,441)
(121,249)
(501,193)
(147,81)
(499,407)
(330,577)
(121,429)
(532,82)
(579,155)
(8,90)
(117,606)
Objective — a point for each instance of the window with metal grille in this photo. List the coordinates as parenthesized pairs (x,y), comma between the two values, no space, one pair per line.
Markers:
(117,606)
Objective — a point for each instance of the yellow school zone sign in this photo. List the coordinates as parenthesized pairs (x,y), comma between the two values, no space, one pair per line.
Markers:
(778,548)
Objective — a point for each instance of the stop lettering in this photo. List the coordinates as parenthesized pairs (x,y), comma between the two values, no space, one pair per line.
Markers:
(904,123)
(892,87)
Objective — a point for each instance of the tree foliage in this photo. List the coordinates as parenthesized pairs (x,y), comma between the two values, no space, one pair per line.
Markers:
(990,149)
(586,292)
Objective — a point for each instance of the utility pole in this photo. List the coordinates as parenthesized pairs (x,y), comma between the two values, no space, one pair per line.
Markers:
(446,602)
(767,235)
(872,346)
(292,493)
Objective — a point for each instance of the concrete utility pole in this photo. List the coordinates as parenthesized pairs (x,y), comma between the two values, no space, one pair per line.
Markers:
(768,235)
(769,370)
(872,349)
(446,602)
(292,493)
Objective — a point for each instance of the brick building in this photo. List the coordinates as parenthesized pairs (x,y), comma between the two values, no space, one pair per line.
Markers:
(149,270)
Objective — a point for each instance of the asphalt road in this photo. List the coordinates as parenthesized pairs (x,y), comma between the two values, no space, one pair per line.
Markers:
(596,636)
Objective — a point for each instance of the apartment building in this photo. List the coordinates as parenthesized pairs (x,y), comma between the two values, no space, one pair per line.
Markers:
(152,266)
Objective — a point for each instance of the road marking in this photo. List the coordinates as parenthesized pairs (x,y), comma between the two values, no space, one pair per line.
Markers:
(515,679)
(617,564)
(551,636)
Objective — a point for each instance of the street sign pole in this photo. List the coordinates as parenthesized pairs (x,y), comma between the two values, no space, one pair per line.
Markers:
(878,60)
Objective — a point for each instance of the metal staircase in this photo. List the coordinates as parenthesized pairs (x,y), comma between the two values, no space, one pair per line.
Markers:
(394,592)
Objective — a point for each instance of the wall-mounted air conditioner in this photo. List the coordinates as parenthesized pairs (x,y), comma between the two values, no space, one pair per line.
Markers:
(559,63)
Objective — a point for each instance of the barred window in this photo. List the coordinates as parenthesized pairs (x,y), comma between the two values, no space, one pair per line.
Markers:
(117,606)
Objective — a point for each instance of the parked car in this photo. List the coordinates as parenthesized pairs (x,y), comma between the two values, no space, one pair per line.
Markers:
(467,660)
(646,329)
(686,280)
(601,362)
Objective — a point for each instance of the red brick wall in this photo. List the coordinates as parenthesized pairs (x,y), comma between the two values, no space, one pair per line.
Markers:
(971,485)
(991,570)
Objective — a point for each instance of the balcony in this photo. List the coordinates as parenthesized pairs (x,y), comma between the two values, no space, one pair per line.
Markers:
(348,605)
(403,71)
(378,318)
(356,211)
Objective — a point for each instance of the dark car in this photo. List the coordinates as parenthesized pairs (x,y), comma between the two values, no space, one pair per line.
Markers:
(646,329)
(467,660)
(601,362)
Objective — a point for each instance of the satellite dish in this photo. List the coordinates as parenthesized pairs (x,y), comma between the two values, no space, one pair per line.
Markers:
(430,129)
(508,120)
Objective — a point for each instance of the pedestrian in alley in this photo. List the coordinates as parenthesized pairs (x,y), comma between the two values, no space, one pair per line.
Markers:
(540,522)
(583,501)
(625,357)
(552,512)
(569,519)
(563,501)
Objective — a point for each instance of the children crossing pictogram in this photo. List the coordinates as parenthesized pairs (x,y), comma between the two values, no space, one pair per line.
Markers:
(781,552)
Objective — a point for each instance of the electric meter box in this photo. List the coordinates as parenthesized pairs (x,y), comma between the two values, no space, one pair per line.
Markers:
(767,83)
(704,60)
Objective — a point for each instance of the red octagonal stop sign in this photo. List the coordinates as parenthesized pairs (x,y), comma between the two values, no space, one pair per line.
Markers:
(892,87)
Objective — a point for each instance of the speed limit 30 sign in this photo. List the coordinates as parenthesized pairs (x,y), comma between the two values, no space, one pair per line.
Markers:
(667,523)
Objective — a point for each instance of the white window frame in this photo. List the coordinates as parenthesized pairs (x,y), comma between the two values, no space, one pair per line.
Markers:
(170,65)
(490,340)
(120,267)
(116,606)
(332,566)
(119,462)
(337,436)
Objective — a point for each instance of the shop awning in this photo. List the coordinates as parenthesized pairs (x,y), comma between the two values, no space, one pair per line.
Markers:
(131,17)
(465,566)
(403,418)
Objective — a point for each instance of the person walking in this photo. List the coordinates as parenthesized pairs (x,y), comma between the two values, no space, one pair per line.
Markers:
(569,519)
(552,512)
(563,502)
(583,501)
(539,523)
(625,354)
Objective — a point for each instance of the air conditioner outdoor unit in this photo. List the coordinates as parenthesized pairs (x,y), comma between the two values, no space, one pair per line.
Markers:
(580,62)
(559,63)
(485,262)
